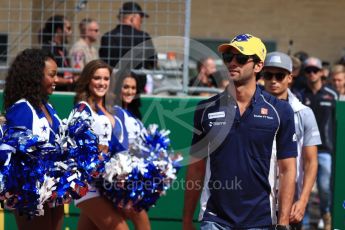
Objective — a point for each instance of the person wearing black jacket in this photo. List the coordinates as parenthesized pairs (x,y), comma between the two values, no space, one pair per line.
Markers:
(127,46)
(322,99)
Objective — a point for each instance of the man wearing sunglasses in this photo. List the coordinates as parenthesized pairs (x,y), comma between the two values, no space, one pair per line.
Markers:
(321,99)
(277,77)
(251,128)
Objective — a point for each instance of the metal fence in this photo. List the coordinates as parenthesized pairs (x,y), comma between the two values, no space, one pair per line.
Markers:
(21,22)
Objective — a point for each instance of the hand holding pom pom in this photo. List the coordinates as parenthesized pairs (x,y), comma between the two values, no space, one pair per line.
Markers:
(139,176)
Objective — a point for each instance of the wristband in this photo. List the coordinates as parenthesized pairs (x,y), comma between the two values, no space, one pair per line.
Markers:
(282,227)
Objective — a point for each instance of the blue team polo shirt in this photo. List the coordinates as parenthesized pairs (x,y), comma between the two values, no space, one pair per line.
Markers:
(241,152)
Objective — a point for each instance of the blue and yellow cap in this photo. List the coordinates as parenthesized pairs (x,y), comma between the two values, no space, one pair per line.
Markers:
(246,44)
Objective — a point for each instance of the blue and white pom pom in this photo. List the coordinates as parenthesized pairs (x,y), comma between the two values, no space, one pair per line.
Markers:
(34,172)
(25,181)
(139,176)
(81,143)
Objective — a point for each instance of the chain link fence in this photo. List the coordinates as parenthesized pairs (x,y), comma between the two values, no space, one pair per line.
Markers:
(21,24)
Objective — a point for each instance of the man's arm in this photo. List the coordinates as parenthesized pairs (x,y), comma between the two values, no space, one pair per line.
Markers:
(287,177)
(309,154)
(194,183)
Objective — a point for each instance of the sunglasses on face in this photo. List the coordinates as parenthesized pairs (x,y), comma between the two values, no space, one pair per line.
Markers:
(240,58)
(278,76)
(311,70)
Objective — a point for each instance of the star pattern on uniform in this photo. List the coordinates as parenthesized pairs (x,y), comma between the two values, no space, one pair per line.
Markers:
(44,128)
(105,125)
(105,135)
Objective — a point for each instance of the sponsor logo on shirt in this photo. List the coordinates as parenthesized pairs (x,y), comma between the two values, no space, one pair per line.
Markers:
(264,111)
(327,97)
(216,123)
(326,103)
(214,115)
(263,114)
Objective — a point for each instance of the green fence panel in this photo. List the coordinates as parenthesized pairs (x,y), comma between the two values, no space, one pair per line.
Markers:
(339,172)
(63,103)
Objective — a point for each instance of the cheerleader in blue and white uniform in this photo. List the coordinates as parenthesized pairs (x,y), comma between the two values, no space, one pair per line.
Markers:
(128,116)
(32,76)
(96,212)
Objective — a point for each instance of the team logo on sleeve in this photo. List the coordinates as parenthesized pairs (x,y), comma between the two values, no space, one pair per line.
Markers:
(294,137)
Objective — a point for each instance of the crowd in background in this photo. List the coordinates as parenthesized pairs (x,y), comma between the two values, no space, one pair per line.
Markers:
(114,50)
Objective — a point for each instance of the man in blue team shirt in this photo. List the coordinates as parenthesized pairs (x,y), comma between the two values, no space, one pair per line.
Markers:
(241,135)
(321,99)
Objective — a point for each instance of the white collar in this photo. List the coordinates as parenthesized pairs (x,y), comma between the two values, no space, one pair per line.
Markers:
(294,102)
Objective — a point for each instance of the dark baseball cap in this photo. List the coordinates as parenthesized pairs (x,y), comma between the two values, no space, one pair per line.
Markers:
(132,8)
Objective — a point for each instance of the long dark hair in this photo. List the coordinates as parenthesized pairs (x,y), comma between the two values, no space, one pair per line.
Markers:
(51,26)
(82,87)
(24,78)
(134,106)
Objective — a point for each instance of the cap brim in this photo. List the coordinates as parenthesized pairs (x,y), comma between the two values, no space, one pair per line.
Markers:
(224,47)
(278,66)
(144,15)
(314,66)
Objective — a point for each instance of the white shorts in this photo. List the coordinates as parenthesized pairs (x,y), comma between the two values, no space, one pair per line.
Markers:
(93,192)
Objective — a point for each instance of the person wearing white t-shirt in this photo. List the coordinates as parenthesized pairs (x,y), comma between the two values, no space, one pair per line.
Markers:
(277,77)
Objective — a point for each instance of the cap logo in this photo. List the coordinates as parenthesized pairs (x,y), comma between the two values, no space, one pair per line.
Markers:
(242,38)
(240,47)
(313,62)
(275,59)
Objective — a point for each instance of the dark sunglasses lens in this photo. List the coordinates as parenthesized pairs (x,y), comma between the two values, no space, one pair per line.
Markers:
(278,76)
(268,76)
(242,59)
(227,57)
(311,70)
